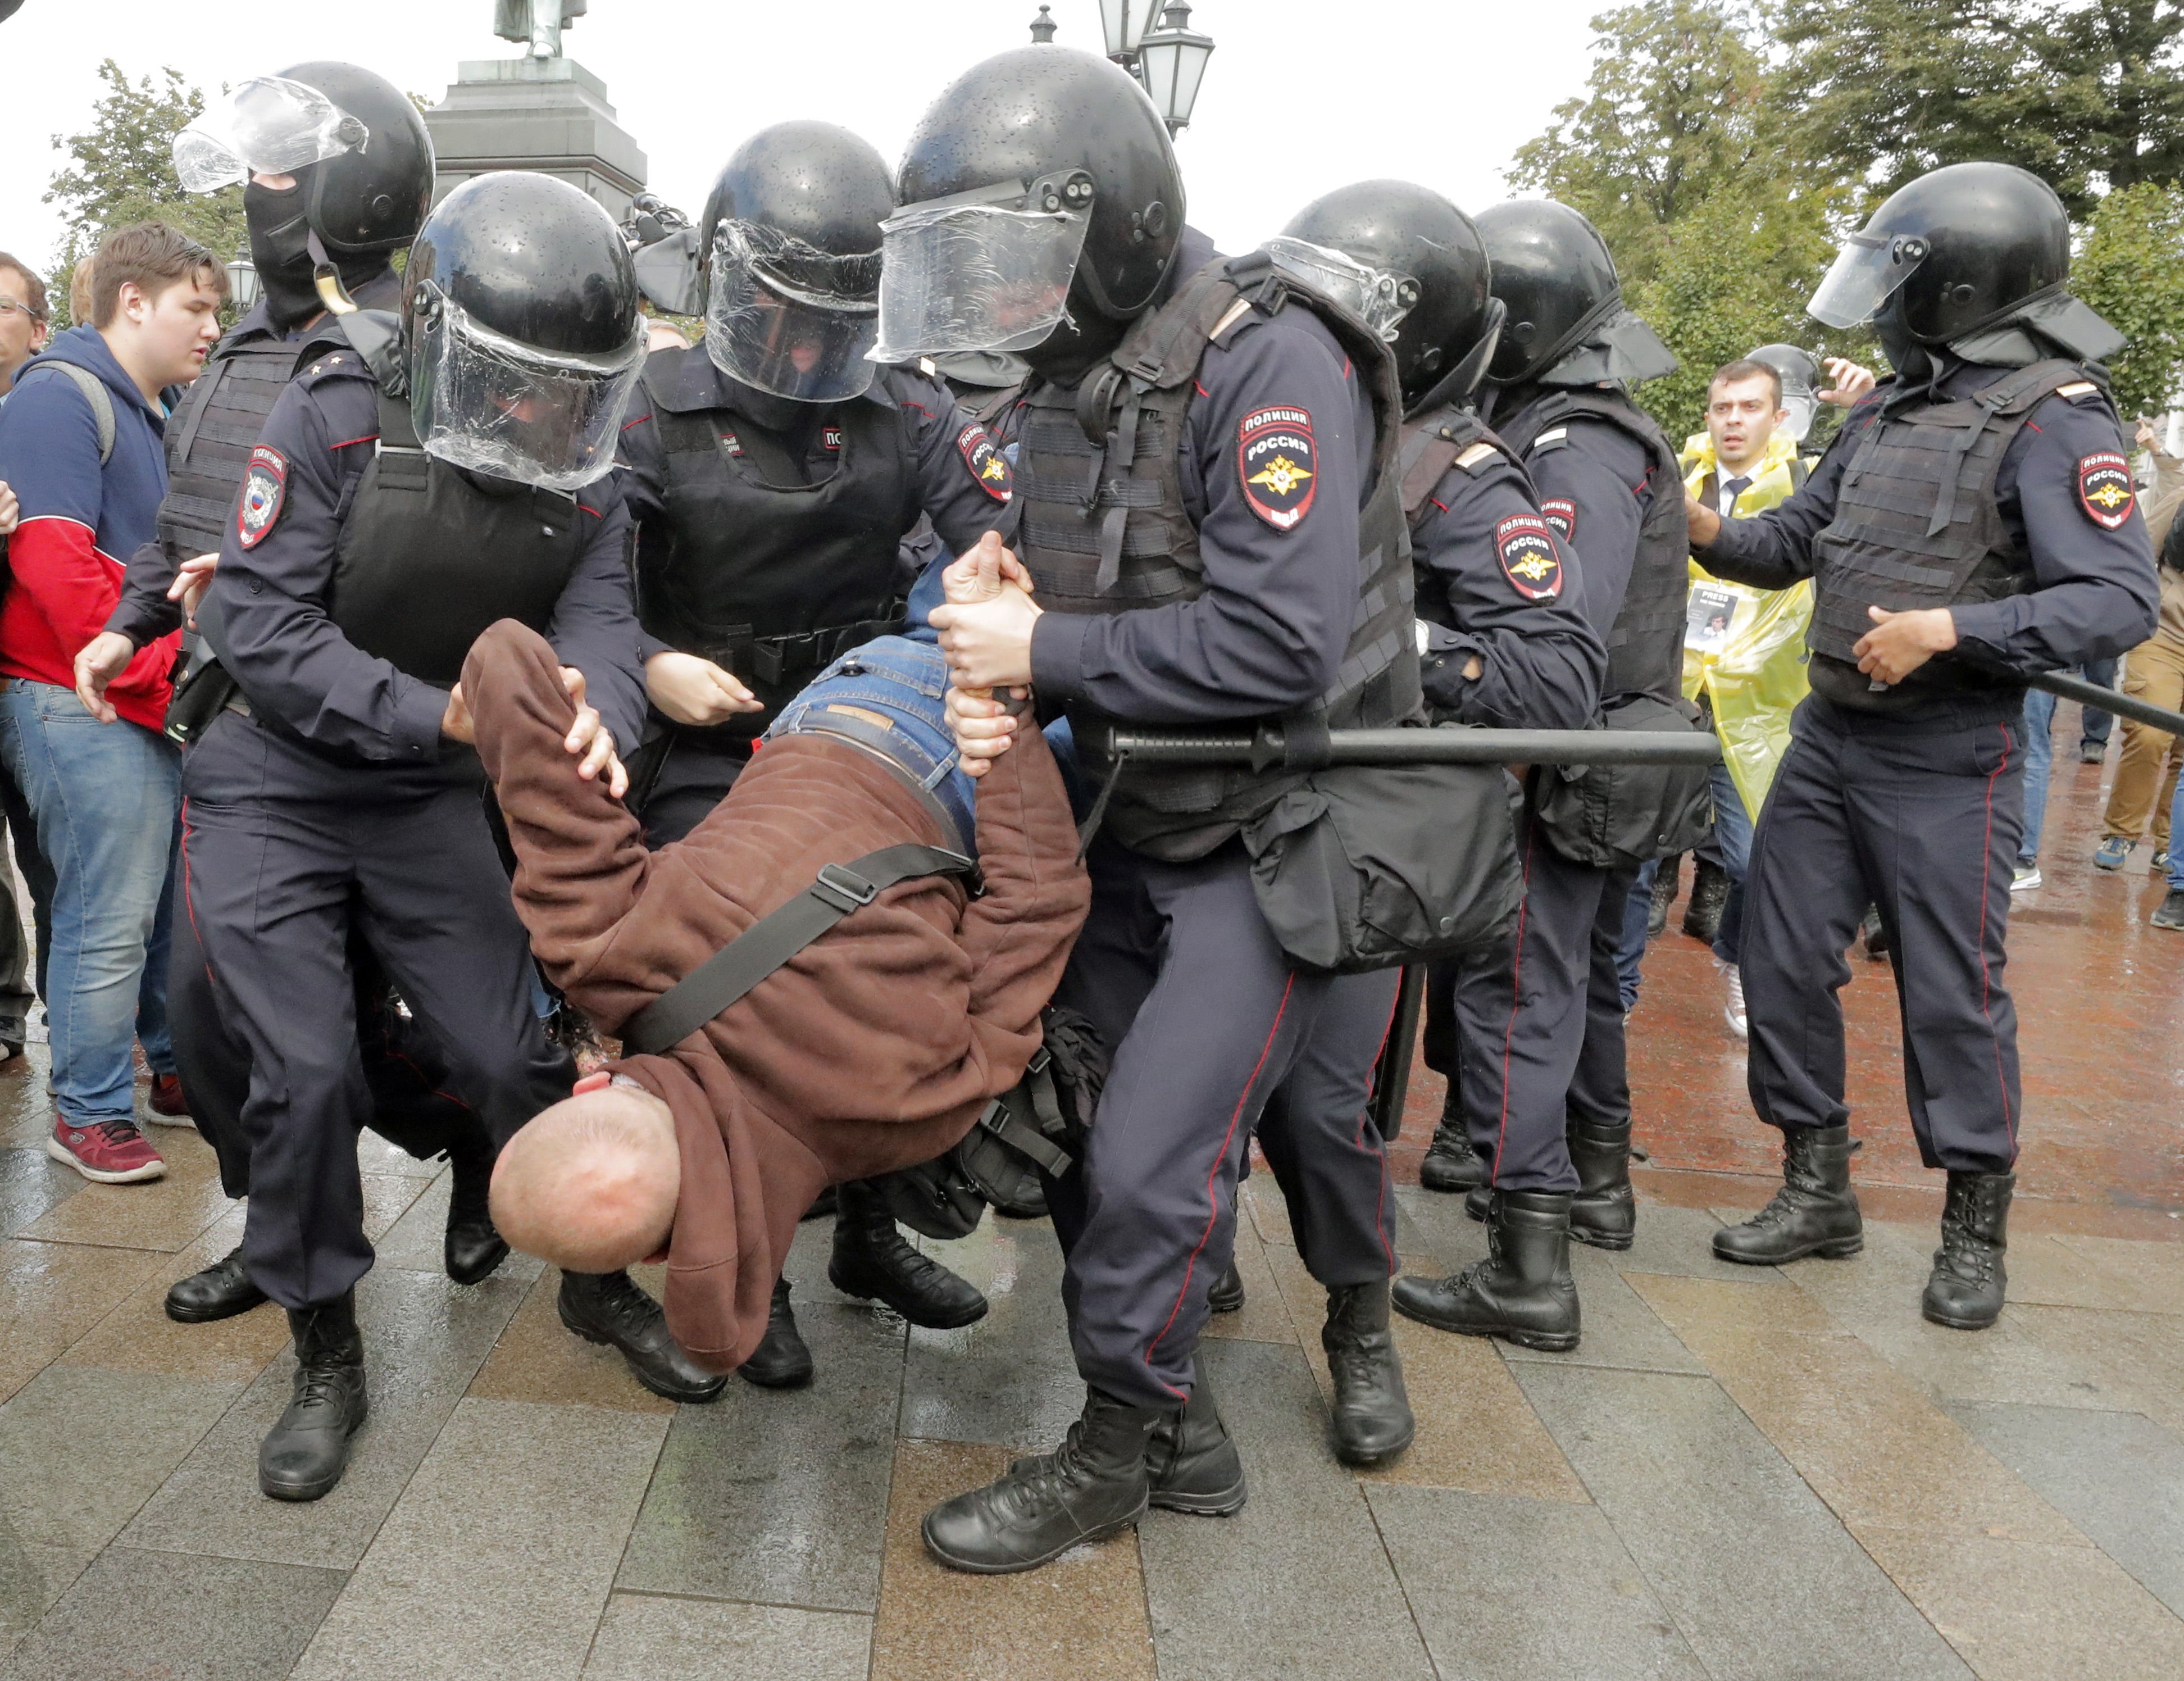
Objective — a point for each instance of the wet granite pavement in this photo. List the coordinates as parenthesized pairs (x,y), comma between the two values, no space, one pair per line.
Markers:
(1768,1473)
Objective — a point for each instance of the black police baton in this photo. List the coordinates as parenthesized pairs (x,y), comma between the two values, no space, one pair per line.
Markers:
(2109,701)
(1294,745)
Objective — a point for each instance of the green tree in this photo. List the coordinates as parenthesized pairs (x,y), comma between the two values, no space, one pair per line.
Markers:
(2131,270)
(122,171)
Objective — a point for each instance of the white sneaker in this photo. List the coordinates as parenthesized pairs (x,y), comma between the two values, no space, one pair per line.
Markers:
(1732,1011)
(2027,878)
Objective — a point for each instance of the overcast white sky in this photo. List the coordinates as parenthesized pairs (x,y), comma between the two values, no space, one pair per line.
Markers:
(1300,96)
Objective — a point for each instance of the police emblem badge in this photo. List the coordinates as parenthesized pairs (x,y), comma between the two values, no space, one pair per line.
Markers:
(988,465)
(1561,514)
(2106,490)
(1525,545)
(1278,463)
(265,488)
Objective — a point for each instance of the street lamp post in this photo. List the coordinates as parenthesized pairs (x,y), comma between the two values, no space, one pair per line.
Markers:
(242,281)
(1171,63)
(1042,28)
(1126,22)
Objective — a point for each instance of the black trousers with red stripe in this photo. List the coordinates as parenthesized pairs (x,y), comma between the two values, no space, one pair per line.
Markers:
(1923,821)
(1186,982)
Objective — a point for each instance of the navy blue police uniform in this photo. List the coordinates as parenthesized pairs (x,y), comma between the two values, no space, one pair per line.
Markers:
(1531,1032)
(1497,586)
(770,549)
(326,799)
(1911,797)
(208,457)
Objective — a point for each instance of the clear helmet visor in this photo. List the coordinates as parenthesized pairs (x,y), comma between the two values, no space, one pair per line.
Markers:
(485,402)
(1866,273)
(787,318)
(270,125)
(1381,298)
(1801,409)
(959,276)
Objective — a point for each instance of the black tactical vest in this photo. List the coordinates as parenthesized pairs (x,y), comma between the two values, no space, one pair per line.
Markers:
(773,581)
(429,555)
(1916,523)
(1105,531)
(211,436)
(1434,442)
(1645,643)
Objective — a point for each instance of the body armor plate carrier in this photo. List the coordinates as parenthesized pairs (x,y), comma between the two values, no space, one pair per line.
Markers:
(774,581)
(1645,643)
(1916,524)
(1106,530)
(1434,442)
(212,432)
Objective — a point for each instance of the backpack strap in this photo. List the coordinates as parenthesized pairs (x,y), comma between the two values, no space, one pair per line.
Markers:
(774,938)
(94,392)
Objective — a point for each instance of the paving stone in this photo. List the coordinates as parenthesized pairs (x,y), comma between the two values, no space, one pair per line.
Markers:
(135,1614)
(52,1293)
(2019,1611)
(2149,1276)
(538,1359)
(1083,1616)
(31,1182)
(1619,1329)
(2137,1356)
(498,1559)
(642,1639)
(165,1214)
(2052,1272)
(1010,1378)
(1260,1201)
(137,1336)
(1763,1581)
(374,1154)
(780,1497)
(1450,1236)
(1473,1565)
(26,1113)
(1265,1316)
(1870,1442)
(424,1339)
(1296,1585)
(415,1241)
(2117,1476)
(32,1578)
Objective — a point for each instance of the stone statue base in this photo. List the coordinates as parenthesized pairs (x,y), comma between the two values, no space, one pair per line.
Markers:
(548,115)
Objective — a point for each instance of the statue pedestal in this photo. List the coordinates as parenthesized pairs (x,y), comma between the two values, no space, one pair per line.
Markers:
(547,115)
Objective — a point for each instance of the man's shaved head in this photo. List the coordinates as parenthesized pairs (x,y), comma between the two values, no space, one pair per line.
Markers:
(591,1183)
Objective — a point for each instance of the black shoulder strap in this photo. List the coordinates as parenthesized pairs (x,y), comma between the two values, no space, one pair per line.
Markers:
(774,938)
(403,463)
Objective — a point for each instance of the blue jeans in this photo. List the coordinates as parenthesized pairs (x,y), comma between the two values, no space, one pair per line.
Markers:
(2039,754)
(2176,851)
(106,798)
(2093,730)
(1732,835)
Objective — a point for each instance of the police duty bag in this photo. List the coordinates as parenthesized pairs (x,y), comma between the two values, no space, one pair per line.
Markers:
(1618,816)
(1368,866)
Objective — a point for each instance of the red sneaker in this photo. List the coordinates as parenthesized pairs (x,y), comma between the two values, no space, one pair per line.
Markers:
(110,1152)
(167,1102)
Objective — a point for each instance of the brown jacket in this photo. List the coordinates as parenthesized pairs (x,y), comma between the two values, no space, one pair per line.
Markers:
(873,1049)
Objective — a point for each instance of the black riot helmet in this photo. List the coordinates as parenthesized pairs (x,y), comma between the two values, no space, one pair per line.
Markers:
(789,249)
(1567,324)
(520,316)
(372,200)
(1040,186)
(1425,265)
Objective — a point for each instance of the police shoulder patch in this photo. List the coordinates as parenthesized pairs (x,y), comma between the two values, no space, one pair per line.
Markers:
(1524,543)
(2106,490)
(988,465)
(265,488)
(830,438)
(1561,514)
(1278,462)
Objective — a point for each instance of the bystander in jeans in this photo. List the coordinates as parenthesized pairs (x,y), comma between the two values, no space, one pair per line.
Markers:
(2170,912)
(2145,785)
(81,440)
(2039,731)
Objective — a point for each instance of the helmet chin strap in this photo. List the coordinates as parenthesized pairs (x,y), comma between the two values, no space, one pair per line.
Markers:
(328,280)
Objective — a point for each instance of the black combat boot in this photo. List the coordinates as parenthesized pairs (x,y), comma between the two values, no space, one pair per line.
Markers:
(1095,1484)
(1225,1293)
(1709,894)
(781,1360)
(1665,884)
(472,1249)
(1451,1162)
(1371,1421)
(304,1455)
(608,1307)
(221,1291)
(1191,1465)
(872,1259)
(1521,1292)
(1965,1292)
(1815,1212)
(1604,1213)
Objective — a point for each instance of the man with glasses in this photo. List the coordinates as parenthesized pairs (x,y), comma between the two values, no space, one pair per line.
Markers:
(23,319)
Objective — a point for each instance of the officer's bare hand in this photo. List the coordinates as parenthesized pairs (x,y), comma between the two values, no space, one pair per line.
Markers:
(97,663)
(988,644)
(695,691)
(591,739)
(1900,643)
(1705,522)
(456,723)
(979,574)
(192,578)
(1850,383)
(983,727)
(10,510)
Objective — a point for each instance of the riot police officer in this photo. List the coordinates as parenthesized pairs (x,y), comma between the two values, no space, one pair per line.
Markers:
(1211,526)
(1504,642)
(436,475)
(773,472)
(1974,522)
(350,210)
(1531,1034)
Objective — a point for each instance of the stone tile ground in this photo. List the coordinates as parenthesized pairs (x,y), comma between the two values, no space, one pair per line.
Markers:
(1759,1474)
